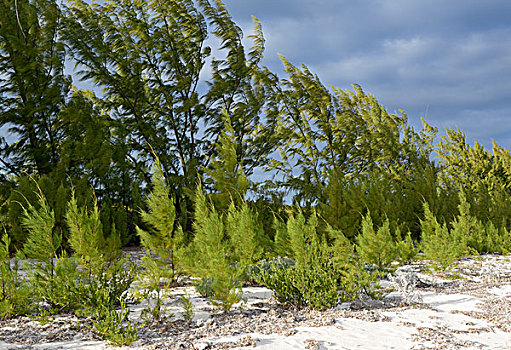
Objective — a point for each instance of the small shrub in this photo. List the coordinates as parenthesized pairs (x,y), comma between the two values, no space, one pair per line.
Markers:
(188,307)
(376,247)
(115,327)
(204,287)
(406,249)
(16,296)
(211,255)
(281,282)
(437,242)
(321,276)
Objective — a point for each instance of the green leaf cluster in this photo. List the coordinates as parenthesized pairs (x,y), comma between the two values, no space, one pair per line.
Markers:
(322,274)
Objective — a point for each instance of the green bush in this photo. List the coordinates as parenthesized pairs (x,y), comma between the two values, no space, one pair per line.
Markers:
(16,296)
(162,242)
(322,274)
(104,275)
(406,249)
(204,287)
(267,266)
(437,242)
(281,282)
(211,255)
(91,283)
(376,247)
(115,327)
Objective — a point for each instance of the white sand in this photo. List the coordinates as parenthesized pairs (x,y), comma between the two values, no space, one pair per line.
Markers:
(445,321)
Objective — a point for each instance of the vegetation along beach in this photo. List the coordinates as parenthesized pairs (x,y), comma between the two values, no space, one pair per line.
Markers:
(192,198)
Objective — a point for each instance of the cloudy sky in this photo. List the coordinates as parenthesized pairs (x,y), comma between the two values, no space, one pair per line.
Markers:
(447,61)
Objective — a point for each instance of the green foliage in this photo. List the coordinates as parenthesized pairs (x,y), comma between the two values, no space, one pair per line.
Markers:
(42,242)
(114,326)
(100,281)
(438,243)
(406,248)
(210,254)
(222,249)
(282,243)
(60,291)
(376,246)
(479,237)
(245,233)
(148,56)
(482,175)
(502,243)
(226,172)
(154,289)
(268,265)
(204,287)
(338,134)
(467,228)
(317,281)
(163,240)
(85,234)
(34,87)
(16,297)
(343,157)
(281,281)
(300,232)
(322,275)
(188,307)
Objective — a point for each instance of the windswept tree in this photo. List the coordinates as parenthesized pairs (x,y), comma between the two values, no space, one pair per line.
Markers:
(33,86)
(342,151)
(151,59)
(483,175)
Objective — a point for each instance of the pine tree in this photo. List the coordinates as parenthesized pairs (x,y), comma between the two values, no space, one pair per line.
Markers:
(282,245)
(467,230)
(226,170)
(151,94)
(86,235)
(34,87)
(300,232)
(244,232)
(163,239)
(406,248)
(376,247)
(43,240)
(342,248)
(210,254)
(437,243)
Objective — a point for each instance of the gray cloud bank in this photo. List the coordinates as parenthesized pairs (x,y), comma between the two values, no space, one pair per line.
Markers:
(449,59)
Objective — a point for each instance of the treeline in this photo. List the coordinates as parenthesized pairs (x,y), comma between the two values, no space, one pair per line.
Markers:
(179,85)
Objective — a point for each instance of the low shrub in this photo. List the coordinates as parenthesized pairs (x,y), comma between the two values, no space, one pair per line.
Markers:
(322,275)
(16,296)
(376,246)
(204,287)
(437,242)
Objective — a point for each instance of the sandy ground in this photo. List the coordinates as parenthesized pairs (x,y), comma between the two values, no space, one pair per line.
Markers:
(425,311)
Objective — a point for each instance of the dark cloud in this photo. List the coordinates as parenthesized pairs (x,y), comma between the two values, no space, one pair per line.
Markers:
(452,59)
